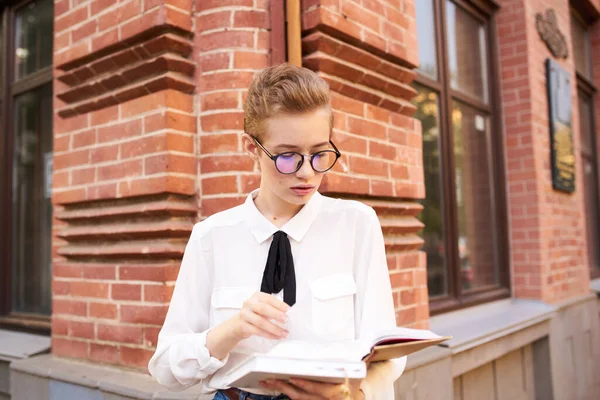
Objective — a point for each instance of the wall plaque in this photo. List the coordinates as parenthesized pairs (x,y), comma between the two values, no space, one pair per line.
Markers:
(547,27)
(562,150)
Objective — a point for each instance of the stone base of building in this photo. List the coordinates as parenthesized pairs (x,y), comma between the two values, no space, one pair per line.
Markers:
(552,351)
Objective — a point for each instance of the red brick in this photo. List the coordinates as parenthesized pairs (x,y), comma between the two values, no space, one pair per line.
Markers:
(61,270)
(226,80)
(61,287)
(219,143)
(220,184)
(83,139)
(121,291)
(380,150)
(143,314)
(406,316)
(103,353)
(71,159)
(98,271)
(151,336)
(104,153)
(120,333)
(212,164)
(213,61)
(220,101)
(119,131)
(70,18)
(135,357)
(232,39)
(170,120)
(212,206)
(89,289)
(69,348)
(69,307)
(368,166)
(80,329)
(250,60)
(251,19)
(59,326)
(167,162)
(158,273)
(83,176)
(210,4)
(143,146)
(122,170)
(215,20)
(103,310)
(222,121)
(84,30)
(158,293)
(366,128)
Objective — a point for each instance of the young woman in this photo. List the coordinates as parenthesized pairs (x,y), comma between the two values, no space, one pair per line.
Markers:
(286,246)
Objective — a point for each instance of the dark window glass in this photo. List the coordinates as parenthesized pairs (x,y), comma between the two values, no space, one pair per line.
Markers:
(589,158)
(580,36)
(33,38)
(32,209)
(426,33)
(467,53)
(474,197)
(427,103)
(464,234)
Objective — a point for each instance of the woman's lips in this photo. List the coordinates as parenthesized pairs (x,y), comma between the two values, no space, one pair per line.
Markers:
(302,190)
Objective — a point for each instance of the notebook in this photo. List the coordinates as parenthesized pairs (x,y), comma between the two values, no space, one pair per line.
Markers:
(328,362)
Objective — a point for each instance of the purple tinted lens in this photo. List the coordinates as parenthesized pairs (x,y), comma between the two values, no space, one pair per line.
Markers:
(323,160)
(288,163)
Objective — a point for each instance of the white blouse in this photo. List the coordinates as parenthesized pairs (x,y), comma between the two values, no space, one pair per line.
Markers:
(343,289)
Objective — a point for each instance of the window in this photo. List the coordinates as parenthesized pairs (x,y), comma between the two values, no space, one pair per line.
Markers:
(26,168)
(464,214)
(586,92)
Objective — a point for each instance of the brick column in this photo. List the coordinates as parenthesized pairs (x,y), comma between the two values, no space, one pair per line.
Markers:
(125,172)
(547,229)
(367,52)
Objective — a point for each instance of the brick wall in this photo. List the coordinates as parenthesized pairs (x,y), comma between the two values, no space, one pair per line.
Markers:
(547,227)
(148,116)
(125,171)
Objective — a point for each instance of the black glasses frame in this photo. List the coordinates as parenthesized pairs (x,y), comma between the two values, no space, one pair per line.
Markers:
(335,150)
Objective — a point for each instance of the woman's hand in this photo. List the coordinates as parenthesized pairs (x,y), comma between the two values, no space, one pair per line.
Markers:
(256,315)
(301,389)
(253,319)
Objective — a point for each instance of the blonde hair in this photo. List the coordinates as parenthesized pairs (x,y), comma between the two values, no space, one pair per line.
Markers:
(283,88)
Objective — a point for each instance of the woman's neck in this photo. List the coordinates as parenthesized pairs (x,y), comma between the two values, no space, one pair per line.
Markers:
(275,209)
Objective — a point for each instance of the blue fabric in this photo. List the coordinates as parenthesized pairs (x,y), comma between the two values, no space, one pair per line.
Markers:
(249,396)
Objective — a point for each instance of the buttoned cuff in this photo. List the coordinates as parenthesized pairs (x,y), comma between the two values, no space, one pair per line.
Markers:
(208,364)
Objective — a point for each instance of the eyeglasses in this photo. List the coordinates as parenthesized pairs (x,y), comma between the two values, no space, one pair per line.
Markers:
(290,162)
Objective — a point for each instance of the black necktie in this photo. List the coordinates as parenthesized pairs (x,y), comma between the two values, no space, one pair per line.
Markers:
(279,271)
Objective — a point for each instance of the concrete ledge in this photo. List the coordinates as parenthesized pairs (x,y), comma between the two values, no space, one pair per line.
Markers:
(478,325)
(57,378)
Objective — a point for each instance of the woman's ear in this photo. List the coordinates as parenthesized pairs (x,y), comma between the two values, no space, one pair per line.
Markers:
(249,146)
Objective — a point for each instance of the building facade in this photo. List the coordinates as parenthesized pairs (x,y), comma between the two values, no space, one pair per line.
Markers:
(469,125)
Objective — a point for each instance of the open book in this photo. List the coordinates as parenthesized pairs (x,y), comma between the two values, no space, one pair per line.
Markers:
(329,362)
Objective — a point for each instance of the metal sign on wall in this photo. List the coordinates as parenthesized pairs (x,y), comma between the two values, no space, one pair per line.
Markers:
(561,136)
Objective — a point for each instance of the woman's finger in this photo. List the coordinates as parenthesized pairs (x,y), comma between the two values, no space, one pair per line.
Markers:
(267,310)
(262,323)
(327,390)
(273,301)
(291,391)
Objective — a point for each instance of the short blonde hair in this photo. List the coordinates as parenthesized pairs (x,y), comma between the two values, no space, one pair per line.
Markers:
(283,88)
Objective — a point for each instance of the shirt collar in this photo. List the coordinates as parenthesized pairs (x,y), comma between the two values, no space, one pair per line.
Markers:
(295,228)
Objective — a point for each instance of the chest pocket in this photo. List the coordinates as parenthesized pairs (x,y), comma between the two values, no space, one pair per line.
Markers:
(225,302)
(333,306)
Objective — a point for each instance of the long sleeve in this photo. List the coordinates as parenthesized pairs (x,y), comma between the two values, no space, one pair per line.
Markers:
(181,359)
(375,310)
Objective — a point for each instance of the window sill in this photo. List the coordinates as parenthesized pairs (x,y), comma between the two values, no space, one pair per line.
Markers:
(70,376)
(19,345)
(481,324)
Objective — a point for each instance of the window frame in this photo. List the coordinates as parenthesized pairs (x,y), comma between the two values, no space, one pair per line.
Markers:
(483,11)
(8,92)
(586,87)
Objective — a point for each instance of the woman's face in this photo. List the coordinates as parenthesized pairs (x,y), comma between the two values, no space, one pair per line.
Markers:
(303,133)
